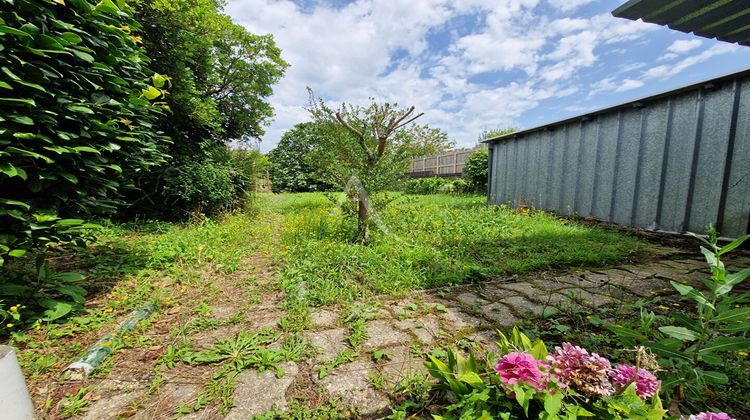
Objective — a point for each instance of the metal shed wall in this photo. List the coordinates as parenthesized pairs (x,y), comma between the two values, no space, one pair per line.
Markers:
(674,162)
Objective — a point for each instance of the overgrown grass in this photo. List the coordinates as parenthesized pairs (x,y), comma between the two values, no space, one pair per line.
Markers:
(426,242)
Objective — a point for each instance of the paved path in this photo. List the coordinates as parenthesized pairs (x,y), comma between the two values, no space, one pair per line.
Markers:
(399,329)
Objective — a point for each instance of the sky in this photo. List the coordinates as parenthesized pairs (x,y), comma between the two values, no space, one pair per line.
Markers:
(472,65)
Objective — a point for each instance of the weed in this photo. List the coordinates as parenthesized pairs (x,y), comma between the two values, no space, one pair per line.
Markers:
(246,350)
(345,356)
(73,405)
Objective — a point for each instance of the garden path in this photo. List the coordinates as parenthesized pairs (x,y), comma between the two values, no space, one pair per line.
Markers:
(398,332)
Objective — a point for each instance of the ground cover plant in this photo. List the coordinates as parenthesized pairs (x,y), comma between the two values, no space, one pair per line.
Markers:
(427,242)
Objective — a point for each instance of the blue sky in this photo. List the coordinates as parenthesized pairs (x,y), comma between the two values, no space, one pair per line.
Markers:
(471,65)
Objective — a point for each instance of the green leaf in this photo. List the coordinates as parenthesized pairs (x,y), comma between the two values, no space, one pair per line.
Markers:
(667,351)
(734,244)
(539,350)
(680,333)
(82,55)
(725,344)
(471,378)
(11,31)
(714,377)
(17,253)
(57,309)
(71,37)
(731,281)
(86,149)
(690,292)
(18,101)
(733,315)
(81,109)
(21,119)
(5,85)
(553,403)
(151,93)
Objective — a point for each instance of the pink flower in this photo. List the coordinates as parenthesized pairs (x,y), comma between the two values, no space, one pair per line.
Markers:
(521,367)
(710,416)
(574,366)
(645,386)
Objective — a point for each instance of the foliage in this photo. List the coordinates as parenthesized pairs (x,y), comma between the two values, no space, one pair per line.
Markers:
(426,242)
(251,166)
(290,169)
(436,185)
(75,123)
(222,78)
(476,169)
(692,349)
(535,389)
(366,149)
(203,187)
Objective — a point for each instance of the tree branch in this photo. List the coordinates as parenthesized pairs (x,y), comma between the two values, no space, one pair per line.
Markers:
(360,136)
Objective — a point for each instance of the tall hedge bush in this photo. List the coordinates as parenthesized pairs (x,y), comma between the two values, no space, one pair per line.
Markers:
(75,116)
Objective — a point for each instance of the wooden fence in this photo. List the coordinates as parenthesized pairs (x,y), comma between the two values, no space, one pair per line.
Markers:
(446,164)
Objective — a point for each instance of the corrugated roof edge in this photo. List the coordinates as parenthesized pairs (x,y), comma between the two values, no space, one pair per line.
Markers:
(631,104)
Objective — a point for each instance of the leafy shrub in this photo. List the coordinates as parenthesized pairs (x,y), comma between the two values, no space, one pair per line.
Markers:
(691,349)
(475,169)
(524,381)
(75,120)
(205,187)
(436,185)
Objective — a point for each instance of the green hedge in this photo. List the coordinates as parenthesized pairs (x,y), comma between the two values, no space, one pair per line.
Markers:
(75,116)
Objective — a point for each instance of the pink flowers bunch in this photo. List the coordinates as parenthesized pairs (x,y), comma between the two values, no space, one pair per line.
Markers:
(517,367)
(574,366)
(710,416)
(646,384)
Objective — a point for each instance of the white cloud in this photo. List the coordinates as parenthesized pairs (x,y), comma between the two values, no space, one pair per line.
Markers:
(383,49)
(668,70)
(682,46)
(568,5)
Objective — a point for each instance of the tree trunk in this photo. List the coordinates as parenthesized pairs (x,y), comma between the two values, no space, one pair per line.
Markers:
(363,222)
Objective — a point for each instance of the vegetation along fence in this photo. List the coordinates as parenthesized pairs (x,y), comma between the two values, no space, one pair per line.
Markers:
(446,164)
(676,161)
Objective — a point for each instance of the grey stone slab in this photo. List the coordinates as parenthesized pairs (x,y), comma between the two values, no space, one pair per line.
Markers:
(457,320)
(500,314)
(425,328)
(350,384)
(329,343)
(381,333)
(256,394)
(470,299)
(324,318)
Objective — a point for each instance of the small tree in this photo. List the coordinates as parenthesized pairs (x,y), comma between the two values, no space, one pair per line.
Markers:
(368,148)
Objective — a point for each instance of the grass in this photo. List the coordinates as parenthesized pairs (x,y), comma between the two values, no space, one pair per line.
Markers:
(419,242)
(427,242)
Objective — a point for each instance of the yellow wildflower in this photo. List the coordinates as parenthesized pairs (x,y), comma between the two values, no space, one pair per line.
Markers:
(136,39)
(9,325)
(108,310)
(183,288)
(14,308)
(37,327)
(663,308)
(742,353)
(675,304)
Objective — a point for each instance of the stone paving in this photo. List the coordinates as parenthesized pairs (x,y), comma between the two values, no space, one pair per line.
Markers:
(402,328)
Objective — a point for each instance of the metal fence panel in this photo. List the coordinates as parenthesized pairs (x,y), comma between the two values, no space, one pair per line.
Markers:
(676,161)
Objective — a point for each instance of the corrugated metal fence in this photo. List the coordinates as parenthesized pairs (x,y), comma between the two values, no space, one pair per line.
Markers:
(675,162)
